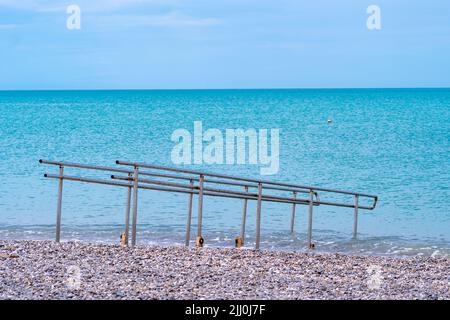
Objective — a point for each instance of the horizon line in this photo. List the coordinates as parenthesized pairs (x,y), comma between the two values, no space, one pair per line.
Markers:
(212,89)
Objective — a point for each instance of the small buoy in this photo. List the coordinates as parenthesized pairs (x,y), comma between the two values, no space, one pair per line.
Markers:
(330,121)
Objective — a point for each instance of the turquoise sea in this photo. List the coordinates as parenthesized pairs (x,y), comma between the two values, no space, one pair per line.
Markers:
(394,143)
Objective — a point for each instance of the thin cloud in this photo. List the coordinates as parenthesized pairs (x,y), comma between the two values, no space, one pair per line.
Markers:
(21,5)
(8,26)
(31,5)
(85,5)
(171,19)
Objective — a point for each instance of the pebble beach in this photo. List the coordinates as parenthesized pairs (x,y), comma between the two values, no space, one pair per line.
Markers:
(76,270)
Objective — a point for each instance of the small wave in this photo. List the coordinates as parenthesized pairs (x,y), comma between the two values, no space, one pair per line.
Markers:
(326,242)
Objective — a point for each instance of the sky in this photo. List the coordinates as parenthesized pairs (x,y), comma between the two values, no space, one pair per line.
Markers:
(208,44)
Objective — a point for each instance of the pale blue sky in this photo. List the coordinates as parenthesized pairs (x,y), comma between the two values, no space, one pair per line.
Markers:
(157,44)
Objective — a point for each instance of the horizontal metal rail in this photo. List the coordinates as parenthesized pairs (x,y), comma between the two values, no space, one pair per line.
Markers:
(224,191)
(149,166)
(170,176)
(198,186)
(175,189)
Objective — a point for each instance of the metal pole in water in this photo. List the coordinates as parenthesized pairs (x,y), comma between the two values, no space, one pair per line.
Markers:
(188,224)
(355,220)
(293,213)
(244,218)
(258,217)
(310,212)
(135,199)
(199,241)
(127,214)
(59,204)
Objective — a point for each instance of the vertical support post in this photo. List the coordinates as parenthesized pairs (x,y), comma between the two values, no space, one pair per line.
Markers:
(127,213)
(135,199)
(293,213)
(310,212)
(244,217)
(59,204)
(189,214)
(258,217)
(199,241)
(355,220)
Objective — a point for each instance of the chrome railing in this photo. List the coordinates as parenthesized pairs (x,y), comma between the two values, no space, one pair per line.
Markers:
(198,183)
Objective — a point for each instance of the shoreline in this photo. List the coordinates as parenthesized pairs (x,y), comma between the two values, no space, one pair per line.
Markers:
(36,269)
(382,246)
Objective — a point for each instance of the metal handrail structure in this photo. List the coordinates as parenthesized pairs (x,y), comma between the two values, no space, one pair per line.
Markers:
(135,176)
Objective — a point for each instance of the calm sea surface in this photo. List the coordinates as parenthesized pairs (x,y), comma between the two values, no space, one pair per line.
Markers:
(393,143)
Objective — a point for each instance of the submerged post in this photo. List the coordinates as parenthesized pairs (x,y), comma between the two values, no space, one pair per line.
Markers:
(127,214)
(293,213)
(189,214)
(240,241)
(355,220)
(258,217)
(199,241)
(135,199)
(310,212)
(59,204)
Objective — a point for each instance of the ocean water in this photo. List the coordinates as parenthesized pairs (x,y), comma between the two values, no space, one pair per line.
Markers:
(394,143)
